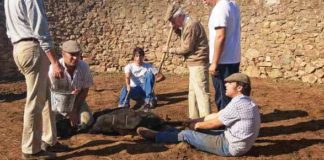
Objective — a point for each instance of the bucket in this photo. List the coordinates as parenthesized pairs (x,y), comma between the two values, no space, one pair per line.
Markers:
(62,102)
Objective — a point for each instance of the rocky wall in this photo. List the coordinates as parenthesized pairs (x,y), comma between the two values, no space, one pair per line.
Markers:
(281,39)
(8,69)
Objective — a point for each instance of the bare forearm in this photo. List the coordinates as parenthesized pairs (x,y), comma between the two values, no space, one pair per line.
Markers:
(219,45)
(51,57)
(209,124)
(81,98)
(127,80)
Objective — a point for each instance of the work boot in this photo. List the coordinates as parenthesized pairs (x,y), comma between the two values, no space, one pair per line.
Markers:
(40,155)
(146,133)
(58,147)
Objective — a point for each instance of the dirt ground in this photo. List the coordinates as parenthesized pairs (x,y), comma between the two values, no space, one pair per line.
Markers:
(292,122)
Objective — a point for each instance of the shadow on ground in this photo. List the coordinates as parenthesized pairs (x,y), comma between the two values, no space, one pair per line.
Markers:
(9,97)
(278,115)
(312,125)
(172,98)
(276,146)
(137,147)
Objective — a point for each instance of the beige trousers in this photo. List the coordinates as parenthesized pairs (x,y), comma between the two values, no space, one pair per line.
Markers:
(39,120)
(198,97)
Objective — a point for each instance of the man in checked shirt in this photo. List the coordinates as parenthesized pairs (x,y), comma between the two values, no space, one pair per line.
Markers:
(240,117)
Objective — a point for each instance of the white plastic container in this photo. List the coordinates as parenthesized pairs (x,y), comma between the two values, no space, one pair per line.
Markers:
(62,102)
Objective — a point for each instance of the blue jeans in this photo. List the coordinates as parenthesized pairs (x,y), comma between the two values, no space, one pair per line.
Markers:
(138,93)
(224,70)
(215,143)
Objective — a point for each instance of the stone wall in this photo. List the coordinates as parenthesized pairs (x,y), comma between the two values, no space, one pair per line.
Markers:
(281,39)
(8,69)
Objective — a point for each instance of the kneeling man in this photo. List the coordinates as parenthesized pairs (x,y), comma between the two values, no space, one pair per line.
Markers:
(76,82)
(240,117)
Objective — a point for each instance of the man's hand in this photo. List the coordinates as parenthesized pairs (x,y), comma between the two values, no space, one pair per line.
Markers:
(159,77)
(213,69)
(74,117)
(193,125)
(58,71)
(128,88)
(166,49)
(76,91)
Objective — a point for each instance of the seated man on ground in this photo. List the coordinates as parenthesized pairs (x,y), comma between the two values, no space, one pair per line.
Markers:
(240,117)
(76,82)
(140,78)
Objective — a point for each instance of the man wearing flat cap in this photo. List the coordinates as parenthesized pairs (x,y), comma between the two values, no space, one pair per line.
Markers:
(194,48)
(240,117)
(77,80)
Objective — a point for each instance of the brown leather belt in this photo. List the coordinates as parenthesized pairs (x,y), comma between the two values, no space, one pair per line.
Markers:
(26,39)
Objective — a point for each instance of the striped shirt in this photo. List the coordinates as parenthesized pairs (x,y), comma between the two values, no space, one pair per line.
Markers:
(242,120)
(27,19)
(81,78)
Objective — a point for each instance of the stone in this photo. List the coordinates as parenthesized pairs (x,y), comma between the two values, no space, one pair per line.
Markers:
(252,71)
(301,73)
(181,70)
(286,58)
(309,68)
(252,53)
(268,59)
(111,70)
(275,73)
(289,74)
(309,79)
(264,64)
(319,73)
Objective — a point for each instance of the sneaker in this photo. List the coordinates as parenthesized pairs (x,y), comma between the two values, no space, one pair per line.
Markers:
(121,105)
(146,133)
(40,155)
(58,147)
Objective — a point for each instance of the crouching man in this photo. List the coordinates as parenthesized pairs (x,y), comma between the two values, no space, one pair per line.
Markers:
(140,78)
(76,82)
(240,117)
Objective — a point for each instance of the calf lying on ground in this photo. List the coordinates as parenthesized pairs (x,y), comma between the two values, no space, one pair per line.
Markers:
(111,121)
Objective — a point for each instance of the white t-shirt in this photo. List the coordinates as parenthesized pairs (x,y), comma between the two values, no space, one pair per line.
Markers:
(226,13)
(138,73)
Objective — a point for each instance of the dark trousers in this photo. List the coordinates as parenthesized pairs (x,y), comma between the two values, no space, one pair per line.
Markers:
(223,71)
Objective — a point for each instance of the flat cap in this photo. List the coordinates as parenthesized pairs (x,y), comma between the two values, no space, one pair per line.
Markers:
(71,46)
(238,77)
(172,9)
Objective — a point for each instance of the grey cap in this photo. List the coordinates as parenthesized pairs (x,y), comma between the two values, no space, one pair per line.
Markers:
(71,46)
(172,9)
(238,77)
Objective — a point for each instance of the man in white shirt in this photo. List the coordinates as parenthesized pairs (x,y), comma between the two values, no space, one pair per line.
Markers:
(77,81)
(27,28)
(140,80)
(240,117)
(224,45)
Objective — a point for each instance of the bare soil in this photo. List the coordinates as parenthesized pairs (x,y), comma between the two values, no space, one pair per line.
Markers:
(292,122)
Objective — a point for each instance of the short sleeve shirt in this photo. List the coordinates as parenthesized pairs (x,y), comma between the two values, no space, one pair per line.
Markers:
(81,78)
(242,120)
(138,73)
(226,14)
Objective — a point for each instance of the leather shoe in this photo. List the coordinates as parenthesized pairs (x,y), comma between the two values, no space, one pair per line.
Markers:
(58,147)
(40,155)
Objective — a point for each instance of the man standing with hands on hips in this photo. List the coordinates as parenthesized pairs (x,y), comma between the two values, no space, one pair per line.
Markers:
(27,28)
(224,45)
